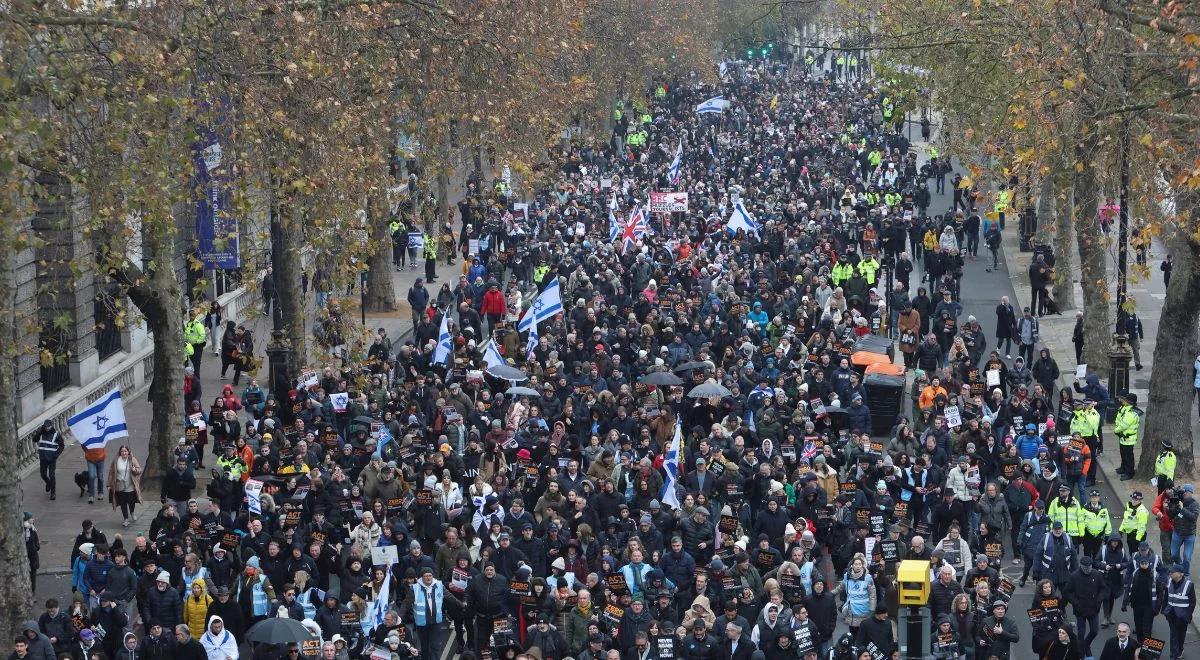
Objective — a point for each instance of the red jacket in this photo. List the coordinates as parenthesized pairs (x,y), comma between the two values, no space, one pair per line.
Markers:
(1164,523)
(493,303)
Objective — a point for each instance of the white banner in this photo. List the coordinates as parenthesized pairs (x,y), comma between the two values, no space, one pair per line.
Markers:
(668,202)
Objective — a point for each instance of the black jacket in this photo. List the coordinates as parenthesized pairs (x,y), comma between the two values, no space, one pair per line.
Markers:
(1085,593)
(876,632)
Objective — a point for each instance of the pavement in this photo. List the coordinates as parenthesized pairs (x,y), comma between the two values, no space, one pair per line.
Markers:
(59,521)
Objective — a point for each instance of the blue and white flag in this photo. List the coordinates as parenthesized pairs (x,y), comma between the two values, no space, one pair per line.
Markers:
(671,465)
(722,69)
(545,305)
(741,219)
(380,605)
(491,355)
(673,173)
(532,342)
(715,105)
(614,227)
(104,419)
(441,354)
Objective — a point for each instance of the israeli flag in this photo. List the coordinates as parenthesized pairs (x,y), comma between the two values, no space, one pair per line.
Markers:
(722,69)
(545,305)
(531,343)
(671,465)
(614,228)
(441,354)
(673,173)
(104,419)
(491,355)
(715,105)
(379,606)
(741,219)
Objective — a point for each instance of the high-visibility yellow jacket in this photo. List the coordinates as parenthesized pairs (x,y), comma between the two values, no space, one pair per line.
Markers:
(867,268)
(1165,464)
(430,246)
(841,272)
(1126,427)
(1002,199)
(1097,523)
(1086,422)
(194,332)
(1070,515)
(1134,521)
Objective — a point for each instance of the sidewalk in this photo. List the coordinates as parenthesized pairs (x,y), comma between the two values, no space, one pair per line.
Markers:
(59,521)
(1056,334)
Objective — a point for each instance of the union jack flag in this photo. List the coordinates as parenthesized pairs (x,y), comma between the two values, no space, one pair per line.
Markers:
(635,228)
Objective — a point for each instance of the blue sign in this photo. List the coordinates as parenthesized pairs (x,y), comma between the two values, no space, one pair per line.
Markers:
(216,228)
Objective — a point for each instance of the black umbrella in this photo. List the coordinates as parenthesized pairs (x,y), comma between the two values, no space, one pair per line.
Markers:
(690,366)
(279,631)
(665,378)
(365,419)
(505,372)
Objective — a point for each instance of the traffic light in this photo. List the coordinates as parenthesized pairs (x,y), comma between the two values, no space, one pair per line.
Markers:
(750,52)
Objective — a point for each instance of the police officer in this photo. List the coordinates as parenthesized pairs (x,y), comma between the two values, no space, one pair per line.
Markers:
(1181,602)
(1164,466)
(1066,512)
(1126,429)
(1134,520)
(1097,526)
(196,336)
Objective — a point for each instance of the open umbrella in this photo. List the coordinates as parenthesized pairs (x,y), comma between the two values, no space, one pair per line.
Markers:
(706,390)
(279,631)
(665,378)
(522,391)
(505,372)
(365,419)
(691,366)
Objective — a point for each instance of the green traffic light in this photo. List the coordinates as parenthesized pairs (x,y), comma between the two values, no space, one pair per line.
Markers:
(749,53)
(764,52)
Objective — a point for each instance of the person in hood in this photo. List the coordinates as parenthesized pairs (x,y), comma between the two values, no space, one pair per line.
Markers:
(218,643)
(130,649)
(767,626)
(39,645)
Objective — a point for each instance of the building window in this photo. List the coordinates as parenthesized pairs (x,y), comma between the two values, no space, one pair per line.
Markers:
(53,356)
(108,335)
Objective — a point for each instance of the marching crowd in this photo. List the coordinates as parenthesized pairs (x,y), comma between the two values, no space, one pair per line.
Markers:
(683,461)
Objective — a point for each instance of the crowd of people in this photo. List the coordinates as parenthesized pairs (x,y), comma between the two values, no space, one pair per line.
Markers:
(591,505)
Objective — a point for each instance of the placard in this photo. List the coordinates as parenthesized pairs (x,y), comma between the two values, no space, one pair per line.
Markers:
(1006,589)
(230,541)
(394,505)
(730,586)
(197,420)
(350,620)
(847,488)
(728,525)
(1151,649)
(1080,371)
(900,511)
(878,522)
(310,648)
(952,555)
(340,401)
(612,615)
(953,417)
(862,516)
(993,377)
(664,647)
(384,555)
(668,202)
(616,583)
(994,551)
(890,551)
(424,497)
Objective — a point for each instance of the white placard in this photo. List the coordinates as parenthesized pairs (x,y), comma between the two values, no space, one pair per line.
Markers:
(384,556)
(1080,371)
(253,489)
(953,417)
(339,400)
(993,378)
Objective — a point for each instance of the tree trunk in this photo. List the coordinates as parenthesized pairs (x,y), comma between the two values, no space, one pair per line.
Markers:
(16,595)
(287,283)
(380,294)
(1063,208)
(1169,410)
(157,293)
(1097,327)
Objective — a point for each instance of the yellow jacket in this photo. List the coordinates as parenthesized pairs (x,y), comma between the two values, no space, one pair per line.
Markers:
(195,610)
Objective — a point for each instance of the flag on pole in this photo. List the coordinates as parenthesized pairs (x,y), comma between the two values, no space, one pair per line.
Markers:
(722,69)
(545,305)
(673,173)
(491,355)
(441,354)
(635,228)
(532,342)
(741,219)
(671,465)
(379,606)
(715,105)
(103,419)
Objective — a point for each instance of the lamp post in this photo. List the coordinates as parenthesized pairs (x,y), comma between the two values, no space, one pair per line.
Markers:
(1120,353)
(279,350)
